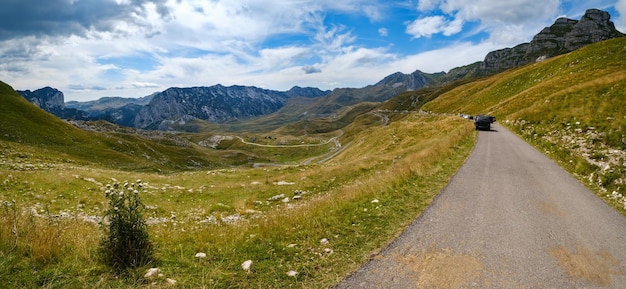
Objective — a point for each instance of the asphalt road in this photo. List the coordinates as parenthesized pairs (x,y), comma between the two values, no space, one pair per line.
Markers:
(510,218)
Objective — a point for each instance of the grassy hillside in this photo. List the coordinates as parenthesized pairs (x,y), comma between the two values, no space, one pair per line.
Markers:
(571,106)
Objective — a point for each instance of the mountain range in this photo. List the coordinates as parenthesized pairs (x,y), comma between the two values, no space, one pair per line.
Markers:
(172,108)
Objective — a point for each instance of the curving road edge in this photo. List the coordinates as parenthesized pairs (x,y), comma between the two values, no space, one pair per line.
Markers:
(509,218)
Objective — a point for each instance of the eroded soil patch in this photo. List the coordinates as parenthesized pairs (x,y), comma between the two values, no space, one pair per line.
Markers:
(596,267)
(444,269)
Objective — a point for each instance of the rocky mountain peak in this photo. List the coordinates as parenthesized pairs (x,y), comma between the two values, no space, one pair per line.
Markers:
(215,104)
(306,92)
(53,101)
(564,36)
(412,81)
(46,98)
(594,26)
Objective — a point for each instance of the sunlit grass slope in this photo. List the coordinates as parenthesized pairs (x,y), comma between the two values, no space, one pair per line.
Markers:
(586,84)
(572,106)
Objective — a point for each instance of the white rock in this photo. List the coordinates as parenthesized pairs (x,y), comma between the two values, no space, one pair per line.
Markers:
(200,255)
(277,197)
(170,281)
(246,265)
(292,273)
(152,273)
(374,201)
(324,241)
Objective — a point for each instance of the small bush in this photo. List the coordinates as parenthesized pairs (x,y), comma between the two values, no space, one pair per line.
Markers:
(126,244)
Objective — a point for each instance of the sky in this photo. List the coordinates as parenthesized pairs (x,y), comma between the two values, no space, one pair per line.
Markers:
(132,48)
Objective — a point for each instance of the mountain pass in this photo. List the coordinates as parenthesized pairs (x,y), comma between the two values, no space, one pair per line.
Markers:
(509,218)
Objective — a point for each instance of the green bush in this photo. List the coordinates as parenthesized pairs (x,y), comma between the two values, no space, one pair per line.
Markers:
(126,243)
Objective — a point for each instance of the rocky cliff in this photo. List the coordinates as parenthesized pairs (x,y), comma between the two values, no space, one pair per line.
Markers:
(52,101)
(564,36)
(47,98)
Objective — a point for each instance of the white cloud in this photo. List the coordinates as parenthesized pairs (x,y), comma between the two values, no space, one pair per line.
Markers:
(384,32)
(512,12)
(446,58)
(620,6)
(333,39)
(372,12)
(309,69)
(138,84)
(427,5)
(426,27)
(507,22)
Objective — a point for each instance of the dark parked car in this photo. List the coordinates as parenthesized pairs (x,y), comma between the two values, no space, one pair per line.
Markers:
(483,122)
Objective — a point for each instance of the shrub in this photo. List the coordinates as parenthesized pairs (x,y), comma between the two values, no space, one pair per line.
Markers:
(126,243)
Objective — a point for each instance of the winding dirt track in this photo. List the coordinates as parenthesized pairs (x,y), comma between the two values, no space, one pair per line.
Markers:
(510,218)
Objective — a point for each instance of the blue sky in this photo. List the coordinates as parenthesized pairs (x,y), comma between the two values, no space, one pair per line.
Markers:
(131,48)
